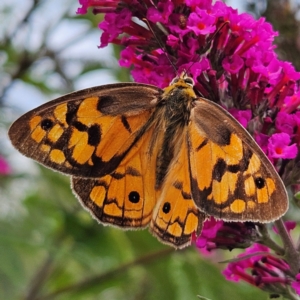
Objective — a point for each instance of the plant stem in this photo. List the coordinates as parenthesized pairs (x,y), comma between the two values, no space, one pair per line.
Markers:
(267,241)
(96,280)
(291,254)
(39,278)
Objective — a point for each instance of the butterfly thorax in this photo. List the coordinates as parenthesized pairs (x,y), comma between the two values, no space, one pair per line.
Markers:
(177,101)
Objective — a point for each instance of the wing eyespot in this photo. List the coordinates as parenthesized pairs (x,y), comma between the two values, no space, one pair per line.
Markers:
(166,208)
(47,124)
(259,182)
(134,197)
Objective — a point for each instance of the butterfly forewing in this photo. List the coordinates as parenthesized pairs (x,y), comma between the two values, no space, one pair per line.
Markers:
(86,133)
(232,179)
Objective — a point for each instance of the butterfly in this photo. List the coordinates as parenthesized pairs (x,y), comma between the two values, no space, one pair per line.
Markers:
(143,156)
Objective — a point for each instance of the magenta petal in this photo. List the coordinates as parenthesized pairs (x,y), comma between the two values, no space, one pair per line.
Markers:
(296,286)
(285,123)
(278,146)
(201,242)
(233,64)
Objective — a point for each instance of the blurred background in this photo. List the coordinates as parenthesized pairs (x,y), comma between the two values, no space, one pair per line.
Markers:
(50,247)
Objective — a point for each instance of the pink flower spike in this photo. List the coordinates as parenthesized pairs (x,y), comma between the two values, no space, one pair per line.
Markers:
(278,146)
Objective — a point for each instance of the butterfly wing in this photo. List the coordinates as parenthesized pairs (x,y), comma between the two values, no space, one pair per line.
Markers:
(231,178)
(175,217)
(89,132)
(126,197)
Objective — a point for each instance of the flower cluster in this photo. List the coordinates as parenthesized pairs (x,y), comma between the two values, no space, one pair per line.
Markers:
(217,234)
(232,61)
(259,267)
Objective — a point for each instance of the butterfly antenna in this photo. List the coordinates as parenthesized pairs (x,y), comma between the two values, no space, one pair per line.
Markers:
(161,45)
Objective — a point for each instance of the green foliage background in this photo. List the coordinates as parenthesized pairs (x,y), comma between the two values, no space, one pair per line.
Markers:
(51,248)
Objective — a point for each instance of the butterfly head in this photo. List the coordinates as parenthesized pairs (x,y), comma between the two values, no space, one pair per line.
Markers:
(181,85)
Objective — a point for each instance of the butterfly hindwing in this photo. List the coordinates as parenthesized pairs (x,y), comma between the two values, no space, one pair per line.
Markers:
(176,217)
(231,177)
(79,134)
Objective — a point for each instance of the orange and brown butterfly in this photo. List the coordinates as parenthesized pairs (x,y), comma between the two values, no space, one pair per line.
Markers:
(141,156)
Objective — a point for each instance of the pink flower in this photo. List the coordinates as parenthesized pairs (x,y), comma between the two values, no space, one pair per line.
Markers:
(209,232)
(291,103)
(250,72)
(160,13)
(259,267)
(200,22)
(113,25)
(217,234)
(285,123)
(233,64)
(279,146)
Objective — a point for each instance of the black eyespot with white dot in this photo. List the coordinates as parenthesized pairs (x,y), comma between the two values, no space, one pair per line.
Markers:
(47,124)
(166,207)
(260,182)
(134,197)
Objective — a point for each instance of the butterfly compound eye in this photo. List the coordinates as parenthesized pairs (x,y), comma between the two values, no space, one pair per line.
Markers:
(174,80)
(189,81)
